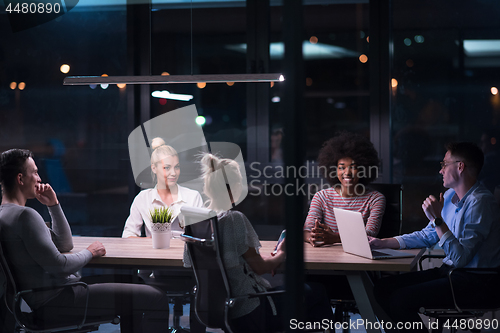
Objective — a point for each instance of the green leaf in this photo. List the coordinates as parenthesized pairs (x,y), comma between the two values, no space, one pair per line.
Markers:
(161,215)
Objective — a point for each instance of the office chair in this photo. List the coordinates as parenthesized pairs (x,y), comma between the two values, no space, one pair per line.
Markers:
(26,321)
(393,215)
(177,285)
(391,226)
(212,293)
(463,310)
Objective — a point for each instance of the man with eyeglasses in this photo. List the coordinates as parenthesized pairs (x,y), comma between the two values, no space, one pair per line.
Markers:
(465,222)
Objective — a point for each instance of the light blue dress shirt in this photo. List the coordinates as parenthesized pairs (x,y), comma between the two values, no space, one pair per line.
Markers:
(474,236)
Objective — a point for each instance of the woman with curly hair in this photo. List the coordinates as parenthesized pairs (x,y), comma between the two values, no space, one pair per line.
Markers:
(349,162)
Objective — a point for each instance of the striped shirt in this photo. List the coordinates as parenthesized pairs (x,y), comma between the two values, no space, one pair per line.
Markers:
(371,205)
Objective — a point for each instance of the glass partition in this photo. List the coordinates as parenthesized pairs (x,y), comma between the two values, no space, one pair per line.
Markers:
(446,65)
(78,134)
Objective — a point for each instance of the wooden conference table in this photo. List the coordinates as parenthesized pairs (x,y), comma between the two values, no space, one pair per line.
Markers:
(139,253)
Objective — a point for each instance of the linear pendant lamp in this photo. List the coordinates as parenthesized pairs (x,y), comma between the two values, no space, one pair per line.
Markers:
(159,79)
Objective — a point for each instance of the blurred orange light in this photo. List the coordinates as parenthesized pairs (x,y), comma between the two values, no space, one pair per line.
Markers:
(363,58)
(494,90)
(104,75)
(272,84)
(313,40)
(493,141)
(201,85)
(230,84)
(394,83)
(64,68)
(13,85)
(368,39)
(165,73)
(309,82)
(121,85)
(21,85)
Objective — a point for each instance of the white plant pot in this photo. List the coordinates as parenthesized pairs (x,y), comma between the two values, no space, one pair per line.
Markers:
(161,233)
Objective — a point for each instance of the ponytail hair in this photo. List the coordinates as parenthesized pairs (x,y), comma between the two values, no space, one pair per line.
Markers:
(222,179)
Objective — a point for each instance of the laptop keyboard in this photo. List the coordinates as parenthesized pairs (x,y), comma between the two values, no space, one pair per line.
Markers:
(379,254)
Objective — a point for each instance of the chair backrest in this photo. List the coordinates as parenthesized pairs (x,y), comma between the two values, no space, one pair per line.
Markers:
(10,292)
(212,287)
(12,299)
(10,289)
(392,220)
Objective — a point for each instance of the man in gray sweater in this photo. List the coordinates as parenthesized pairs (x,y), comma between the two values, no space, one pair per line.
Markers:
(38,258)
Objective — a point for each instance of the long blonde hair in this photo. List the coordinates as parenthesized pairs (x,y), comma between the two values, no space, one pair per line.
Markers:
(160,150)
(221,176)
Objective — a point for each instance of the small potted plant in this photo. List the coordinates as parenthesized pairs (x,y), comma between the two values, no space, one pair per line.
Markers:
(161,221)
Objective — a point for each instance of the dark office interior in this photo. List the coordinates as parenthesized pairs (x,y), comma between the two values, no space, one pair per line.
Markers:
(410,75)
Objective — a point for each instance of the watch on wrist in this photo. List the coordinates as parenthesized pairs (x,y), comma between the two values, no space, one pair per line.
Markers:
(437,222)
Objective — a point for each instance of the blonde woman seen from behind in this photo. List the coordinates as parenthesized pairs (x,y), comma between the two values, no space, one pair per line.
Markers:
(241,258)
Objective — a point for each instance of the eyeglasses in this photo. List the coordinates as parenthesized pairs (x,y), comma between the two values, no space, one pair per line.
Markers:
(445,164)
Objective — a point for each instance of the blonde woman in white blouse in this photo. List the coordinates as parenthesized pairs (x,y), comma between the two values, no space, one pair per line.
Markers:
(165,169)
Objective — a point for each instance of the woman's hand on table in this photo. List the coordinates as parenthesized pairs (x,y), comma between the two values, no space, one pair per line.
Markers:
(97,249)
(322,234)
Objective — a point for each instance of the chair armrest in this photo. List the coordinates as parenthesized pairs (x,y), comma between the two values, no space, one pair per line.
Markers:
(485,271)
(231,301)
(17,300)
(260,294)
(200,241)
(266,293)
(492,271)
(429,256)
(34,290)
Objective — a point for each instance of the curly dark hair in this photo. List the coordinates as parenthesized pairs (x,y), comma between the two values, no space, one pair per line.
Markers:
(352,145)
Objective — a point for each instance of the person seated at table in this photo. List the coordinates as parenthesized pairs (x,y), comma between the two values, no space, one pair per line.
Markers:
(349,162)
(165,169)
(38,259)
(465,222)
(242,260)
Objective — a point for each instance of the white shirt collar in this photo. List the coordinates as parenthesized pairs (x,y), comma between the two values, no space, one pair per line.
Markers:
(156,196)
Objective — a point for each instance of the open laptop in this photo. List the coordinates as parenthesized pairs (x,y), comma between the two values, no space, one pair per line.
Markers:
(354,240)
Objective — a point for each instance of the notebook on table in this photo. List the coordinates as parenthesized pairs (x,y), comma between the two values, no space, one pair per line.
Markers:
(354,240)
